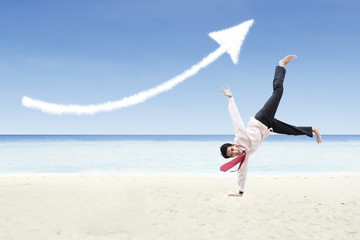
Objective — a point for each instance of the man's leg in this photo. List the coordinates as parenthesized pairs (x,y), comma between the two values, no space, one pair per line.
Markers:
(267,113)
(284,128)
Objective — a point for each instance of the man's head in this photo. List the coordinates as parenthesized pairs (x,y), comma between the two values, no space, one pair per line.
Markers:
(229,150)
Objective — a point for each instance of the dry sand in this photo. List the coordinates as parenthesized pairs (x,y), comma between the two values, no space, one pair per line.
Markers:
(124,207)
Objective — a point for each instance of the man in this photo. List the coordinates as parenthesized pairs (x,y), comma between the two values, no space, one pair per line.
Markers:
(249,138)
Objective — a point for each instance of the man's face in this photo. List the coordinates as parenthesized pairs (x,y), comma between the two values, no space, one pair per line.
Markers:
(234,151)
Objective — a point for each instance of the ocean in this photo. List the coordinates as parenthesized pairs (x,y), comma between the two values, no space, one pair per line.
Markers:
(279,155)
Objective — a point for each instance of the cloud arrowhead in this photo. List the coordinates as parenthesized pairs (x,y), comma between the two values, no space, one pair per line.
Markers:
(232,38)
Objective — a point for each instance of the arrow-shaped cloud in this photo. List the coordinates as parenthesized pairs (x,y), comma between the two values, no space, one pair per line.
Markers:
(230,41)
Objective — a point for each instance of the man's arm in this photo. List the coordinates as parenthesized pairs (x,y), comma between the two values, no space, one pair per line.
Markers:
(239,130)
(234,113)
(241,173)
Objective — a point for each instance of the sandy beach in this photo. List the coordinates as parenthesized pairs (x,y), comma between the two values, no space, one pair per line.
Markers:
(164,207)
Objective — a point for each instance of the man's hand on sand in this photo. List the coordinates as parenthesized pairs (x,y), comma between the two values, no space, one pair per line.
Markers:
(235,194)
(227,92)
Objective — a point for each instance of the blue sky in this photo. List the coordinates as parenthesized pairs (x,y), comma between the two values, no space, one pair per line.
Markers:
(88,52)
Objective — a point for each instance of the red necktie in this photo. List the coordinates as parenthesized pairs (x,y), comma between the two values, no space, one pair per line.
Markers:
(240,159)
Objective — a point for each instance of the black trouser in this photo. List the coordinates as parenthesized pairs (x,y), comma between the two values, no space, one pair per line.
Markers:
(267,114)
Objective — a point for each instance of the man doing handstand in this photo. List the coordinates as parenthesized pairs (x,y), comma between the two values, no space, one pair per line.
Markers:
(249,138)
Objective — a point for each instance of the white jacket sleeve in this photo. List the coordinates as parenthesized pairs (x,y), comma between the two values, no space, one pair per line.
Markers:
(242,173)
(236,118)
